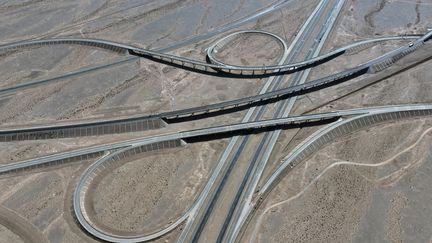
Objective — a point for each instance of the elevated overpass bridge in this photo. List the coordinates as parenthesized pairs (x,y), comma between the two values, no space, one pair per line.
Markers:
(154,121)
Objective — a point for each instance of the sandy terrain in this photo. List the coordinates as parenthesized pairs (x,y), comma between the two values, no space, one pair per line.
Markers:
(339,204)
(355,202)
(235,52)
(8,236)
(344,193)
(139,86)
(145,194)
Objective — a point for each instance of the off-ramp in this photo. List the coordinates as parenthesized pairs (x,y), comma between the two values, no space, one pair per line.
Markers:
(346,121)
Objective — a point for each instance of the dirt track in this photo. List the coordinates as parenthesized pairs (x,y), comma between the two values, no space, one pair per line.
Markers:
(20,226)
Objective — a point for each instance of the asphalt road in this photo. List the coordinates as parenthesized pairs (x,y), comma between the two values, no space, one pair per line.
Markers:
(196,217)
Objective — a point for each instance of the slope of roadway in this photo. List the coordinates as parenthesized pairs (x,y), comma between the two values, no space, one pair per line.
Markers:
(110,153)
(136,123)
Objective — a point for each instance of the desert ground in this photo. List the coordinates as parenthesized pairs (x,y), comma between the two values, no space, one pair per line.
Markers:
(367,186)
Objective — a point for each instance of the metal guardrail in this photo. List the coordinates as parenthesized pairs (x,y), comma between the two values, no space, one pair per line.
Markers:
(194,64)
(325,136)
(140,123)
(121,150)
(362,118)
(88,176)
(82,129)
(338,129)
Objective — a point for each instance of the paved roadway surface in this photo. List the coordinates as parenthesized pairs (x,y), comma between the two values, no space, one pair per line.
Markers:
(219,209)
(341,121)
(136,123)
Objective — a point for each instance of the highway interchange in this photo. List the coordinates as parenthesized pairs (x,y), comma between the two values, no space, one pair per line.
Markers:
(297,58)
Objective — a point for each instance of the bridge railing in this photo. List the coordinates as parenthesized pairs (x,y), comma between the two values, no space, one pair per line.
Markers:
(326,135)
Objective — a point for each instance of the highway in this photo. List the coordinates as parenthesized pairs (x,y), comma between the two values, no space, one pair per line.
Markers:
(195,65)
(176,45)
(144,122)
(164,138)
(247,198)
(258,163)
(224,199)
(317,140)
(374,115)
(123,149)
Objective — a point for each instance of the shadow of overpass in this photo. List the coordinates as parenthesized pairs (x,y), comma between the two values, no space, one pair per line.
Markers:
(273,99)
(251,131)
(220,73)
